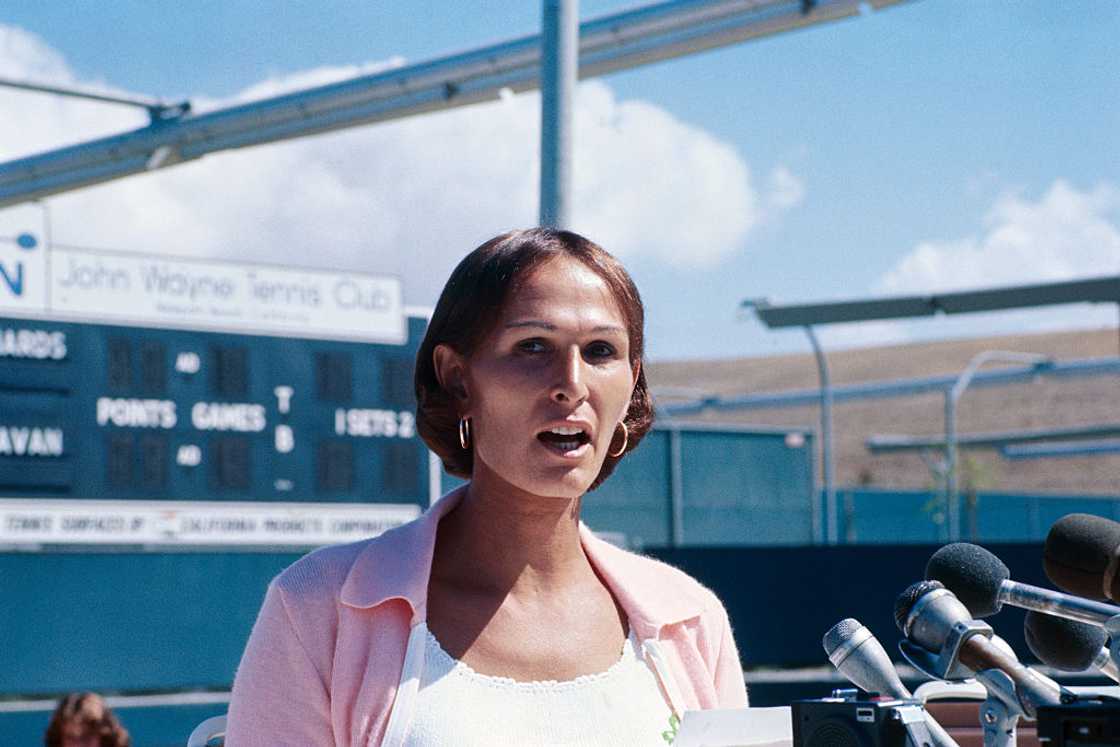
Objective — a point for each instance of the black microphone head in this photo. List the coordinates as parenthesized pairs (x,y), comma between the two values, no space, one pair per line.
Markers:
(909,597)
(839,633)
(1080,550)
(972,573)
(1064,644)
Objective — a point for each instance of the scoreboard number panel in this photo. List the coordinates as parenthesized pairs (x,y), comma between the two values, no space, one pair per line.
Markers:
(137,435)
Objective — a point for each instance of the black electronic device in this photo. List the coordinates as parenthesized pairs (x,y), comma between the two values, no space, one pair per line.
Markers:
(1086,723)
(850,718)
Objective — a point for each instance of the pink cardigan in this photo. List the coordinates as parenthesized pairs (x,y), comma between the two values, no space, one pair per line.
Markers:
(336,654)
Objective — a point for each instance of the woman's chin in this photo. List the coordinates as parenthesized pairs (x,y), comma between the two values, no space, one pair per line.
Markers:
(554,482)
(547,473)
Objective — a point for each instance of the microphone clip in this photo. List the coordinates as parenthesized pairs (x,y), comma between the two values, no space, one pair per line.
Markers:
(946,665)
(1112,627)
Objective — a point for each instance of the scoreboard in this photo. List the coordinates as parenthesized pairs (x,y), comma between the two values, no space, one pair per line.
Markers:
(150,400)
(131,416)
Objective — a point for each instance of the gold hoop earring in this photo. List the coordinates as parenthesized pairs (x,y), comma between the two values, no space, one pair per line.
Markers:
(465,433)
(625,442)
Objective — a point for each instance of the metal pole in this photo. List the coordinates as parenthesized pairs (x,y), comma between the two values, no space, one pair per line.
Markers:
(952,521)
(831,536)
(559,66)
(951,399)
(48,247)
(143,102)
(676,486)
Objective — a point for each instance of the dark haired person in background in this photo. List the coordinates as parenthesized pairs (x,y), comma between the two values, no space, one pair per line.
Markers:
(83,720)
(497,617)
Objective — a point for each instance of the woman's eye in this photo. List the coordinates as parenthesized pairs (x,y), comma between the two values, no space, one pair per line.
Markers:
(531,346)
(600,350)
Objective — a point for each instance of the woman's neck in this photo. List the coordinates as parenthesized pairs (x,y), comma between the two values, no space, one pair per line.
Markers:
(502,540)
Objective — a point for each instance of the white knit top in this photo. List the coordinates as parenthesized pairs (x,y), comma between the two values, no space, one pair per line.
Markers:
(457,706)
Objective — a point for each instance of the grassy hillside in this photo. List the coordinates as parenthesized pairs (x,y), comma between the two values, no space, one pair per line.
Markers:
(1043,403)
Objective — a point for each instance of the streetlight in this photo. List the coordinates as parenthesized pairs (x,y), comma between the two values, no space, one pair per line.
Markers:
(831,534)
(952,397)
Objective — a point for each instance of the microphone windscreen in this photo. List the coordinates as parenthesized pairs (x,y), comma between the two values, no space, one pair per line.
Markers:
(1080,550)
(1064,644)
(839,633)
(972,573)
(909,597)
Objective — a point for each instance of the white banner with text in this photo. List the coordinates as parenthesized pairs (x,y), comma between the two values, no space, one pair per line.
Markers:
(33,521)
(134,289)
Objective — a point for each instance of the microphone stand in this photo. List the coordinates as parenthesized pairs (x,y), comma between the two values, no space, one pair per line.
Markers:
(1000,712)
(913,718)
(1112,627)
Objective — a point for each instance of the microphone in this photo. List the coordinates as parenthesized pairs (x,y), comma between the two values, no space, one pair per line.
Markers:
(1081,556)
(930,616)
(857,654)
(983,584)
(1068,645)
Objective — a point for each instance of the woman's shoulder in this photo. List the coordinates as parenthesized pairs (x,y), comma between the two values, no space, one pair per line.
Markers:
(322,570)
(356,572)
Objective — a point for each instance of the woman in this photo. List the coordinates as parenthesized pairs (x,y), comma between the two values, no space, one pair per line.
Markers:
(84,720)
(496,617)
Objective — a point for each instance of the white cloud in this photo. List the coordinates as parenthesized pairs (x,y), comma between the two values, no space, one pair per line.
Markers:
(31,122)
(276,85)
(409,196)
(787,190)
(870,334)
(1067,233)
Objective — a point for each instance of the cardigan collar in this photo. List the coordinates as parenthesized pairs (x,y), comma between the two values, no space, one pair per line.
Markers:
(398,564)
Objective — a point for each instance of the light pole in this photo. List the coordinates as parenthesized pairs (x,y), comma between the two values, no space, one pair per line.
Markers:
(559,71)
(831,533)
(952,397)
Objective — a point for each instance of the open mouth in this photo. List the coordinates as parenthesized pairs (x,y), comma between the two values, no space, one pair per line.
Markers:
(564,439)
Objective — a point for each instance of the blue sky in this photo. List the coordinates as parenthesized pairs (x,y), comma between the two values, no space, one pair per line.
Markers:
(938,144)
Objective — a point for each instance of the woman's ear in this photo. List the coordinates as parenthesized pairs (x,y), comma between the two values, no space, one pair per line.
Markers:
(451,372)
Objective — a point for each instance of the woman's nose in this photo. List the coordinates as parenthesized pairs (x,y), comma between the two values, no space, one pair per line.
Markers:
(570,385)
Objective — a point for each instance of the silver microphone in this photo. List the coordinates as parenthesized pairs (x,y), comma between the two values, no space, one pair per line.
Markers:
(930,616)
(857,654)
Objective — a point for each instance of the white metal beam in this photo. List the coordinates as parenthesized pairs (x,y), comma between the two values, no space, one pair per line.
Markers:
(607,44)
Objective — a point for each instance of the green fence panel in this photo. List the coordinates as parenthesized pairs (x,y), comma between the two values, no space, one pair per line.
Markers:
(634,502)
(127,621)
(752,488)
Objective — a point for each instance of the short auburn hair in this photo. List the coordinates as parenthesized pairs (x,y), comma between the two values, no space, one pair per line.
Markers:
(92,716)
(471,304)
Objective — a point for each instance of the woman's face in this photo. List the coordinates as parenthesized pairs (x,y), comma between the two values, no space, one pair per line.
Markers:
(548,386)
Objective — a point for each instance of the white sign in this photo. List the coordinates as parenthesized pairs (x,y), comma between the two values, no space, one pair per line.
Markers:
(84,285)
(736,727)
(82,522)
(23,276)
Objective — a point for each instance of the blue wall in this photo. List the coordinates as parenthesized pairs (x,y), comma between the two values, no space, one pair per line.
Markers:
(738,486)
(896,516)
(181,620)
